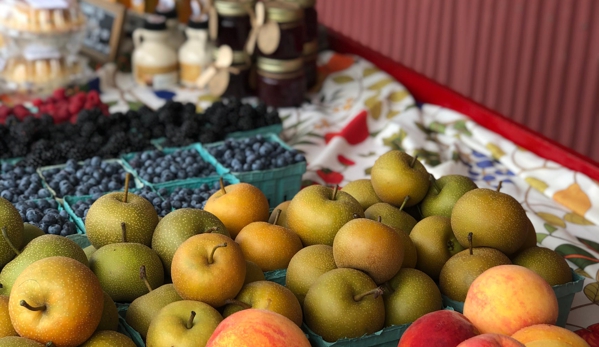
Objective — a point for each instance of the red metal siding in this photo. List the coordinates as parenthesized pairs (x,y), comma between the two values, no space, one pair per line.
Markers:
(535,61)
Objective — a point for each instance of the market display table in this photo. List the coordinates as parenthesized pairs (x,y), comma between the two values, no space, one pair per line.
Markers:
(359,112)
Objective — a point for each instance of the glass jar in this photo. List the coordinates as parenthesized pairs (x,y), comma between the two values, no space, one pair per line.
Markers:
(310,18)
(292,29)
(240,85)
(281,83)
(234,23)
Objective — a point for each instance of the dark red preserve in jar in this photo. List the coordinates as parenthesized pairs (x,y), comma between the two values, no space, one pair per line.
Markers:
(310,18)
(281,83)
(234,24)
(292,30)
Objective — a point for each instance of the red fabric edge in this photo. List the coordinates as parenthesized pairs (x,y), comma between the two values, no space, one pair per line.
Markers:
(426,90)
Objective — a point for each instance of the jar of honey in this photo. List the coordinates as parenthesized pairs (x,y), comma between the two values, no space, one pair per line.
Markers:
(281,83)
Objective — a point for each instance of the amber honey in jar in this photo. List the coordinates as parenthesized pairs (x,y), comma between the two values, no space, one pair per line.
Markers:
(291,32)
(234,23)
(281,83)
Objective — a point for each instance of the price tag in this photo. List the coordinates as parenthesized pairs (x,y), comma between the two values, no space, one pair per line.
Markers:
(47,4)
(34,52)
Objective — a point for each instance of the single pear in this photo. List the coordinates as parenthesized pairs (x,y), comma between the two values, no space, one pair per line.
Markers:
(89,251)
(11,228)
(462,269)
(546,263)
(362,191)
(178,226)
(391,216)
(110,315)
(39,248)
(412,295)
(30,232)
(6,328)
(396,175)
(107,338)
(143,309)
(497,218)
(444,193)
(253,272)
(435,244)
(17,341)
(531,239)
(306,266)
(282,218)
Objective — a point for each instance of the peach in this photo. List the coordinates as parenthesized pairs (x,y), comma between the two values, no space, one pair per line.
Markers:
(491,340)
(549,332)
(547,343)
(256,327)
(507,298)
(439,328)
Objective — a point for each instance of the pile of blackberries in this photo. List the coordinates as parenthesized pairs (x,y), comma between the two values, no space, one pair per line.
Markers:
(42,142)
(158,167)
(254,154)
(45,215)
(92,177)
(189,197)
(21,184)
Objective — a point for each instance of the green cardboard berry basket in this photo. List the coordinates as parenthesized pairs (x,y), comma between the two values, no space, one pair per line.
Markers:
(564,293)
(279,184)
(386,337)
(126,329)
(191,184)
(270,129)
(12,161)
(277,276)
(220,170)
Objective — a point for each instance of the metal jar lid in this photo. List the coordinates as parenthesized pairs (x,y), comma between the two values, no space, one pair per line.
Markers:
(235,8)
(283,12)
(303,3)
(279,66)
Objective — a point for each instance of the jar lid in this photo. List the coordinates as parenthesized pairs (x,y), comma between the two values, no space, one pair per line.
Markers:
(283,12)
(155,22)
(233,7)
(303,3)
(279,66)
(198,22)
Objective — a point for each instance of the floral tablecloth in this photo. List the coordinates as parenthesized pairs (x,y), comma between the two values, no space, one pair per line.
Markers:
(358,112)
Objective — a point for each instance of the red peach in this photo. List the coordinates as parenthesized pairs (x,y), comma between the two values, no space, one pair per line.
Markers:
(541,332)
(440,328)
(491,340)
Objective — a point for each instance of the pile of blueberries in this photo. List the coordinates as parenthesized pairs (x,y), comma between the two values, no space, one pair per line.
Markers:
(158,167)
(189,197)
(92,177)
(254,154)
(21,183)
(45,215)
(81,207)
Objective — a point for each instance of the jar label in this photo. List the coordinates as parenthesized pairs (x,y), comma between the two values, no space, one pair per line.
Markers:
(190,72)
(156,77)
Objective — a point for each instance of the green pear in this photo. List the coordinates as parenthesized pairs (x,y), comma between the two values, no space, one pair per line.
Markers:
(253,272)
(317,212)
(108,338)
(462,269)
(435,244)
(498,220)
(546,263)
(89,251)
(110,315)
(444,193)
(30,232)
(412,295)
(17,341)
(143,309)
(178,226)
(11,228)
(531,239)
(396,175)
(105,215)
(362,191)
(391,216)
(39,248)
(117,266)
(344,303)
(306,266)
(280,218)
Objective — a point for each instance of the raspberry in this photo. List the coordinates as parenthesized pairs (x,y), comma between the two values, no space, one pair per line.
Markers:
(75,107)
(4,111)
(93,97)
(21,112)
(79,97)
(37,102)
(59,94)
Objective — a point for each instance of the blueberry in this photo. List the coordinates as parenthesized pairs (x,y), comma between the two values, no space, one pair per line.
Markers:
(54,229)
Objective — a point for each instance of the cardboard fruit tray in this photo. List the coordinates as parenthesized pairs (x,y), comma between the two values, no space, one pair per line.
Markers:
(564,293)
(279,184)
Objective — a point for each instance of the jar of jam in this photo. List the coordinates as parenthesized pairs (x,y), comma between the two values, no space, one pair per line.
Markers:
(310,67)
(240,85)
(290,20)
(281,83)
(234,23)
(310,18)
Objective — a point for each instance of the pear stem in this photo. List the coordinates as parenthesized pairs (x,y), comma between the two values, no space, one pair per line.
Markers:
(277,215)
(470,242)
(355,215)
(8,241)
(211,257)
(143,276)
(414,160)
(222,185)
(127,177)
(376,292)
(380,219)
(210,230)
(499,185)
(434,183)
(190,320)
(124,231)
(405,201)
(238,303)
(31,308)
(335,189)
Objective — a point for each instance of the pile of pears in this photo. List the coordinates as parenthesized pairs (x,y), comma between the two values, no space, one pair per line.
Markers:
(376,253)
